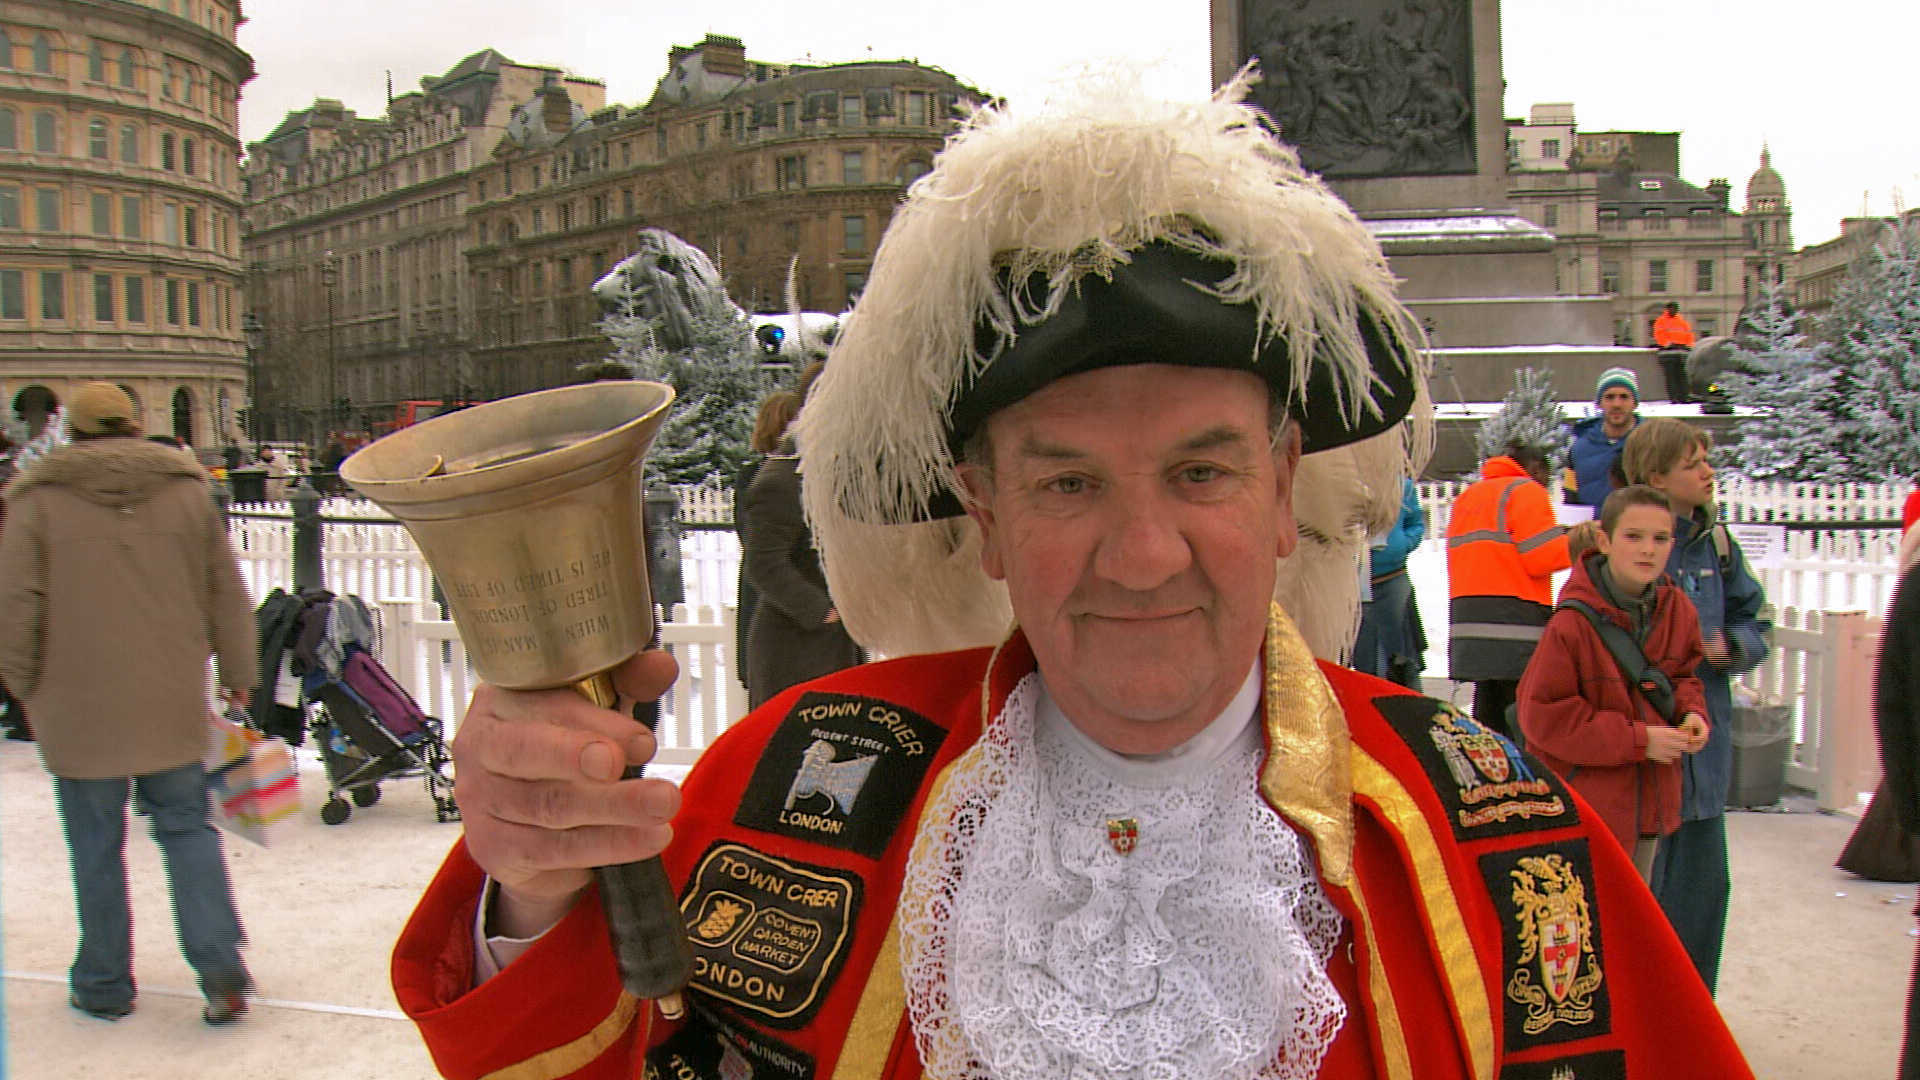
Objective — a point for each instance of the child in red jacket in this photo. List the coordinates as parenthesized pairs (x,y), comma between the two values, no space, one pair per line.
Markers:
(1582,716)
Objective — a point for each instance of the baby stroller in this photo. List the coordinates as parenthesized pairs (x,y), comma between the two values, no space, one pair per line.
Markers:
(370,729)
(319,649)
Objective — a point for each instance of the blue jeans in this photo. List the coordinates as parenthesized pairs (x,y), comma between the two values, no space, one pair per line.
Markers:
(1692,883)
(94,814)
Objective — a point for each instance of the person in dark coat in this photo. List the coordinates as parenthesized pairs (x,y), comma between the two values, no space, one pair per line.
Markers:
(1896,715)
(776,412)
(795,633)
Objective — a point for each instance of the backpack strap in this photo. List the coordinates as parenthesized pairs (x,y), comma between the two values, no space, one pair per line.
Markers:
(1652,683)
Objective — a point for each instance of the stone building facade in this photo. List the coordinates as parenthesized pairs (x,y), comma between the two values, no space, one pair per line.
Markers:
(120,254)
(763,166)
(1646,237)
(355,234)
(446,250)
(1821,269)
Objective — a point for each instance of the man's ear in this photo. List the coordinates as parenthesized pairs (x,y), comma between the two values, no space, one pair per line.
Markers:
(977,482)
(1286,468)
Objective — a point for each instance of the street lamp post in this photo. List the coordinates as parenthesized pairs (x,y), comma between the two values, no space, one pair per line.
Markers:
(255,335)
(329,276)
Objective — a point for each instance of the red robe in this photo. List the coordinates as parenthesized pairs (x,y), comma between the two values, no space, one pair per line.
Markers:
(1492,931)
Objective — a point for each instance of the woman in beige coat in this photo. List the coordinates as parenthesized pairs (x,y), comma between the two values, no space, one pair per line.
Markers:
(116,585)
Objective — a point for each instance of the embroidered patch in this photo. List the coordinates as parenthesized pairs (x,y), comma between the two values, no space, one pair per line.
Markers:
(768,934)
(840,771)
(710,1046)
(1605,1065)
(1555,987)
(1488,786)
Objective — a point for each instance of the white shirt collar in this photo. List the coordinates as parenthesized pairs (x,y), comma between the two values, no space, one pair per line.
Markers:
(1225,734)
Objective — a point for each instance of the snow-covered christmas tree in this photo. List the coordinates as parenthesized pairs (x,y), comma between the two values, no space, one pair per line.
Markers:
(1530,414)
(718,383)
(1801,428)
(1879,348)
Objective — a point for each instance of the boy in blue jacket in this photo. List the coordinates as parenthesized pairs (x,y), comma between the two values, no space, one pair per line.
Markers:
(1690,876)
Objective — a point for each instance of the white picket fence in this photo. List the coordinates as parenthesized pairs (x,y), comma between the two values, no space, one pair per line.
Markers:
(366,554)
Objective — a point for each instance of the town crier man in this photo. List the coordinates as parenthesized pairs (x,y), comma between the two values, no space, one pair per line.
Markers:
(1122,401)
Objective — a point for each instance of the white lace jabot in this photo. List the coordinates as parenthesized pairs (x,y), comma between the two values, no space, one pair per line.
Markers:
(1034,948)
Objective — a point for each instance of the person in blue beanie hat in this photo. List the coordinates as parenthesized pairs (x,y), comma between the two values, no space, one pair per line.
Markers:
(1596,441)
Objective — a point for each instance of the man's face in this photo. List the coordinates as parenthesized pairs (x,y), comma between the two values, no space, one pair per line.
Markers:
(1689,484)
(1616,407)
(1135,513)
(1637,548)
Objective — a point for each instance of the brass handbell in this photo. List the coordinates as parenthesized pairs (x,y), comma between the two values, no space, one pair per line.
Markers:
(528,510)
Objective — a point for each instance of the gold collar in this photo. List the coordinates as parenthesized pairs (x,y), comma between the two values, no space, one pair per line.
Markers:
(1308,776)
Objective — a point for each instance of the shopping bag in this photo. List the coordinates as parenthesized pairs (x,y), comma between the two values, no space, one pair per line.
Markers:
(251,781)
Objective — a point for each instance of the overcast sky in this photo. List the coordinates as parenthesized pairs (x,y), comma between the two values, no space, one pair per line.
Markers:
(1827,85)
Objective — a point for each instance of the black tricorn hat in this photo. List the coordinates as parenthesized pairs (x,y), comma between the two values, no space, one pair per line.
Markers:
(1162,306)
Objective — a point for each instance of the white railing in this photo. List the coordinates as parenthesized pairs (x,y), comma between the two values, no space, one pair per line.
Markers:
(1823,576)
(705,505)
(425,654)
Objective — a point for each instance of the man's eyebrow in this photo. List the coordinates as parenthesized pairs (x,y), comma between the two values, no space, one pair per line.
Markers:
(1213,438)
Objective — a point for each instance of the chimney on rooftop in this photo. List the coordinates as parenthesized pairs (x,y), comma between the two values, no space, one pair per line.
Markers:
(556,108)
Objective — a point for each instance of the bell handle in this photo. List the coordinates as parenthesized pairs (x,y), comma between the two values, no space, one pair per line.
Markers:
(643,919)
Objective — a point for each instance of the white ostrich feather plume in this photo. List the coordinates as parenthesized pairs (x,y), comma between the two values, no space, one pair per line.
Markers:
(1067,190)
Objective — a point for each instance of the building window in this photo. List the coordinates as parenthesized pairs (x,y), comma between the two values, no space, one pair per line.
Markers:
(1656,219)
(47,208)
(1657,275)
(170,223)
(856,233)
(786,117)
(103,298)
(102,213)
(166,150)
(131,215)
(660,142)
(172,288)
(539,272)
(193,303)
(1550,149)
(1609,277)
(126,68)
(566,216)
(9,206)
(1709,326)
(97,139)
(46,133)
(189,159)
(626,202)
(129,144)
(9,130)
(539,221)
(916,109)
(856,284)
(53,295)
(790,172)
(700,135)
(136,290)
(96,63)
(13,294)
(1703,275)
(1550,216)
(850,113)
(6,50)
(853,167)
(191,226)
(42,55)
